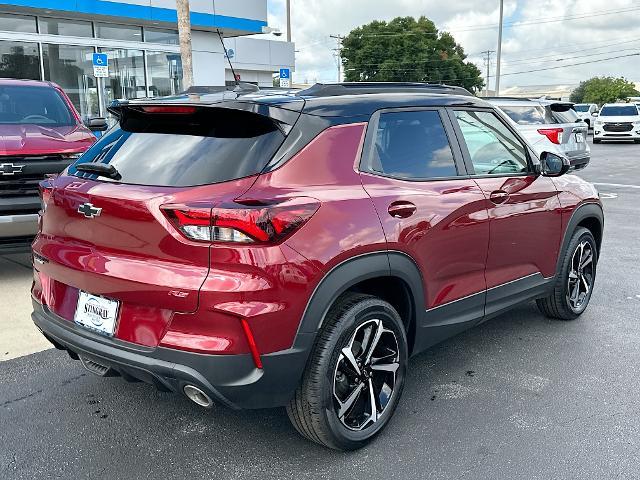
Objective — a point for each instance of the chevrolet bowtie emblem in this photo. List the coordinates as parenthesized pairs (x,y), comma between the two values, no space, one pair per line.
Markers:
(10,168)
(89,211)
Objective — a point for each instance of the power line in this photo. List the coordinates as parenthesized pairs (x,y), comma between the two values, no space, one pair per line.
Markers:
(575,64)
(541,20)
(522,72)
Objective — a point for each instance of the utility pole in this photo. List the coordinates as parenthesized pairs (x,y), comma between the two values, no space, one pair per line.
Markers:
(289,21)
(487,62)
(184,35)
(499,49)
(338,54)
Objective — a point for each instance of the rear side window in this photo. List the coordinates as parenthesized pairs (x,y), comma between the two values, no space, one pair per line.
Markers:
(208,146)
(529,114)
(29,105)
(493,149)
(412,145)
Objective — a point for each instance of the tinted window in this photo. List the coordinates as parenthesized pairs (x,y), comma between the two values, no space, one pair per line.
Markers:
(529,115)
(119,32)
(17,23)
(412,145)
(72,28)
(581,108)
(158,35)
(566,116)
(210,146)
(494,150)
(33,105)
(619,111)
(19,60)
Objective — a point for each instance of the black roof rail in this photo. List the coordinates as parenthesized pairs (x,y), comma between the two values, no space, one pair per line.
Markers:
(360,88)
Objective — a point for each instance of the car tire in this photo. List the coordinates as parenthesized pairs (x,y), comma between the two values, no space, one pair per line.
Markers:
(333,404)
(574,284)
(596,140)
(637,140)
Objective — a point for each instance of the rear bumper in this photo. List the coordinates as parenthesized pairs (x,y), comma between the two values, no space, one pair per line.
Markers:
(231,380)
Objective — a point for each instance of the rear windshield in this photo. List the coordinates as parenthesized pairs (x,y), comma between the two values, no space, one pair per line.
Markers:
(619,111)
(567,116)
(581,108)
(30,105)
(210,146)
(529,114)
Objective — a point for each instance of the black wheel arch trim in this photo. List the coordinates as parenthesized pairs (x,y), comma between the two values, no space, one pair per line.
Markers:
(355,270)
(581,213)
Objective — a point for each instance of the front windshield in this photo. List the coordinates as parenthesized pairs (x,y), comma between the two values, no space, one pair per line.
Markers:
(619,111)
(581,108)
(33,105)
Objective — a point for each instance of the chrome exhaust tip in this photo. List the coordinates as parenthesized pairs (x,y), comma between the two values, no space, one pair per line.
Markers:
(197,396)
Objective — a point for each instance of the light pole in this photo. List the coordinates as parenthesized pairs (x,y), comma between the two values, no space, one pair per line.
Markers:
(288,20)
(499,49)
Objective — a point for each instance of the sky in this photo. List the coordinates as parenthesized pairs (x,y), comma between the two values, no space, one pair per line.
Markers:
(538,34)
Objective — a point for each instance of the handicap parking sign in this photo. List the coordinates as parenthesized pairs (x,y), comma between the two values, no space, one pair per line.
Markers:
(100,65)
(285,78)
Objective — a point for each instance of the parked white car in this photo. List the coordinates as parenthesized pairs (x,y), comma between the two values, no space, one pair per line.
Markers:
(617,121)
(549,126)
(587,112)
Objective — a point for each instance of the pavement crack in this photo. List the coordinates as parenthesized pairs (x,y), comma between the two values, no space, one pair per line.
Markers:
(20,399)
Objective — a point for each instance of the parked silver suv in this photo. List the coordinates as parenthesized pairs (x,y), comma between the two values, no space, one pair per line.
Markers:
(549,126)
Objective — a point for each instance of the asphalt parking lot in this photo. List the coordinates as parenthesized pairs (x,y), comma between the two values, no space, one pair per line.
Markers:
(517,397)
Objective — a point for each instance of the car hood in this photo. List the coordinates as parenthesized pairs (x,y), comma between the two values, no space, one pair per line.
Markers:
(29,139)
(625,119)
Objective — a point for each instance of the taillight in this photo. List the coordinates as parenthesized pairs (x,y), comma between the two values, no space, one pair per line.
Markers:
(239,223)
(553,134)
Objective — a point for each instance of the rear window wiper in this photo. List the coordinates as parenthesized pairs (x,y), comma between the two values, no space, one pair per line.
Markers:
(104,169)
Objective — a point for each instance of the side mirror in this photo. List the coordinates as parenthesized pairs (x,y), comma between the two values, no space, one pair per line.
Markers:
(594,114)
(553,165)
(97,124)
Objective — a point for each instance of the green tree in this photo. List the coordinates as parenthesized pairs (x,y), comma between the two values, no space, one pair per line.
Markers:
(603,90)
(577,96)
(406,49)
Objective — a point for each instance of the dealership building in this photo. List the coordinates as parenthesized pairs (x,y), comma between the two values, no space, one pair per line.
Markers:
(55,40)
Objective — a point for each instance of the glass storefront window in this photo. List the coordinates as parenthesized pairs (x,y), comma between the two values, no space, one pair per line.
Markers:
(165,73)
(130,33)
(160,35)
(71,28)
(19,60)
(126,74)
(17,23)
(70,67)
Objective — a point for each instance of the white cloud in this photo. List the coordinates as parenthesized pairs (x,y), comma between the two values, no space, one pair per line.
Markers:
(526,46)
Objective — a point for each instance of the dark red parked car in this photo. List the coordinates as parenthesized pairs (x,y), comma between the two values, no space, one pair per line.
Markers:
(296,249)
(40,133)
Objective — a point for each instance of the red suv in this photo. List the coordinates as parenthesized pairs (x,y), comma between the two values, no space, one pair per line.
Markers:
(40,133)
(262,250)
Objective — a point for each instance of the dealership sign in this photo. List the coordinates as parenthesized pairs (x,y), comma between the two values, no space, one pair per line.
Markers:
(100,65)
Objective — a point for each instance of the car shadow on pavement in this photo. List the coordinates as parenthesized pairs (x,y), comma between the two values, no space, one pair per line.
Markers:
(450,390)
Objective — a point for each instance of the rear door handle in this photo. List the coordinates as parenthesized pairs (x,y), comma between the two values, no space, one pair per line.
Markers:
(401,209)
(499,196)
